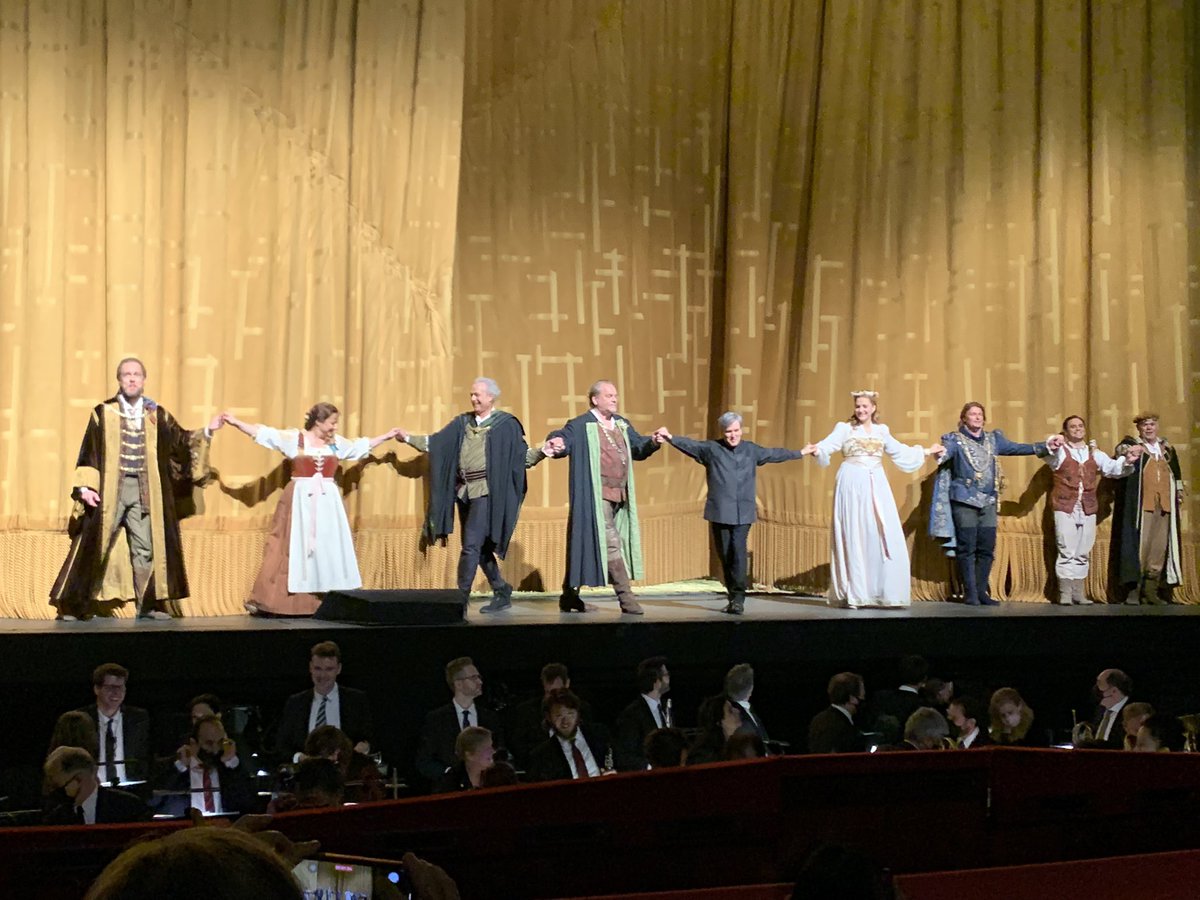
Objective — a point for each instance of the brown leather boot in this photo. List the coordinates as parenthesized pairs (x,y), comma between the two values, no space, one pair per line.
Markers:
(618,577)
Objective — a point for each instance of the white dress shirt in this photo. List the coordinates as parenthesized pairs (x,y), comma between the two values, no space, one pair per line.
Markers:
(472,716)
(118,726)
(655,705)
(333,709)
(585,751)
(89,807)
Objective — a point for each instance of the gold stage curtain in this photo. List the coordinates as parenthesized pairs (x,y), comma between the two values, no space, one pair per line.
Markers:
(756,205)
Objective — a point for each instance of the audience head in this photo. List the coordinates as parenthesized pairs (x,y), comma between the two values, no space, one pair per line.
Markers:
(319,783)
(474,747)
(936,692)
(1132,717)
(744,745)
(330,742)
(926,728)
(1113,686)
(739,682)
(653,677)
(555,677)
(665,748)
(913,670)
(76,729)
(1160,733)
(967,714)
(325,665)
(846,689)
(70,773)
(205,705)
(197,864)
(209,734)
(498,774)
(108,684)
(464,680)
(561,710)
(1010,716)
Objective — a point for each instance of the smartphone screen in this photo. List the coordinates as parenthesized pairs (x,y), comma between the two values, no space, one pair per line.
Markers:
(335,877)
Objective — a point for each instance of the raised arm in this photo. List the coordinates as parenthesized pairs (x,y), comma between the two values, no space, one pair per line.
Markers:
(374,442)
(907,457)
(700,451)
(244,427)
(823,450)
(641,446)
(764,455)
(1005,447)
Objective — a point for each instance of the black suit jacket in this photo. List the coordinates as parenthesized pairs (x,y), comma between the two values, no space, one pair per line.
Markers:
(633,724)
(112,806)
(892,702)
(983,739)
(751,723)
(293,723)
(525,727)
(237,790)
(547,762)
(435,752)
(1116,734)
(135,728)
(831,732)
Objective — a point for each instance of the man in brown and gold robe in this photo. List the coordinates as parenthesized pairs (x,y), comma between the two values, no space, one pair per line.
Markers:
(134,478)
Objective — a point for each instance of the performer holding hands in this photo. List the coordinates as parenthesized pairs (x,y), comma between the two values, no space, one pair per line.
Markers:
(309,549)
(1077,466)
(966,496)
(870,564)
(731,465)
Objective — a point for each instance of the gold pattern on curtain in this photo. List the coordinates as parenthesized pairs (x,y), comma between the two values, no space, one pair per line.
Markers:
(756,205)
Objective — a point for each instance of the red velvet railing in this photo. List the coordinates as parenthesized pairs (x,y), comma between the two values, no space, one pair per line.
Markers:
(731,824)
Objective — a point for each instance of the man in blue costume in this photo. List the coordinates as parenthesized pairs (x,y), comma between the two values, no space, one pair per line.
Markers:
(966,497)
(603,540)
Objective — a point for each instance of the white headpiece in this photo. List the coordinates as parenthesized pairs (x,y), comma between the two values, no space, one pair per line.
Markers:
(870,395)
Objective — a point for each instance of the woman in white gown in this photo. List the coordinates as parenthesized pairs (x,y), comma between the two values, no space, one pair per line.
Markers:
(870,557)
(309,548)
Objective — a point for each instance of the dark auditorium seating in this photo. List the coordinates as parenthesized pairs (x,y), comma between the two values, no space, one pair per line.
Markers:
(729,824)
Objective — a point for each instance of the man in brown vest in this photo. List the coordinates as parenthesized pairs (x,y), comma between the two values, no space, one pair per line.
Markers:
(1077,466)
(1146,562)
(604,543)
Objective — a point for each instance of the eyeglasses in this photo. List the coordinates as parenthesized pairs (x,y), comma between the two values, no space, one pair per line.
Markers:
(475,677)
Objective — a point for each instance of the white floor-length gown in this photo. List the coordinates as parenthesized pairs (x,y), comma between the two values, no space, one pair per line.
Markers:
(870,558)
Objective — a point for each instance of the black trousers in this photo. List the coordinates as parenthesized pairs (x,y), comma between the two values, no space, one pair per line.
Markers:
(731,547)
(478,550)
(975,540)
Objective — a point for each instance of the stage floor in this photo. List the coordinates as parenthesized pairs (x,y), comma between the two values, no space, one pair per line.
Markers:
(662,604)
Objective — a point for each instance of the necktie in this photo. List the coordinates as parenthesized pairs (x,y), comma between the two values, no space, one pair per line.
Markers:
(209,805)
(581,769)
(466,719)
(80,818)
(321,711)
(110,754)
(662,716)
(1104,720)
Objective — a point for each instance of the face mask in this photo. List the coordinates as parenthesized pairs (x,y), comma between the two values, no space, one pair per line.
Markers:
(209,759)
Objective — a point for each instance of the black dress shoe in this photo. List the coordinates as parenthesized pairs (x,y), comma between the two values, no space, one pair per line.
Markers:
(574,605)
(498,603)
(985,600)
(733,609)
